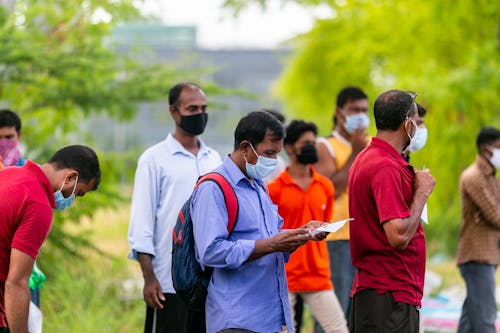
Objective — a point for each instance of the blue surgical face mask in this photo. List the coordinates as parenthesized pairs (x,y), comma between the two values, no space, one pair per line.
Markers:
(61,201)
(419,139)
(263,168)
(352,122)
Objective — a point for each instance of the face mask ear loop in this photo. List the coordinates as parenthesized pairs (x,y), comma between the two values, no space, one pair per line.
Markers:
(74,187)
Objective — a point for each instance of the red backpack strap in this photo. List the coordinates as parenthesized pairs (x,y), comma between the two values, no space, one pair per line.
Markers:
(229,197)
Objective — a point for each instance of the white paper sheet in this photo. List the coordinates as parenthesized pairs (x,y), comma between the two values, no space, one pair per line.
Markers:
(423,217)
(331,227)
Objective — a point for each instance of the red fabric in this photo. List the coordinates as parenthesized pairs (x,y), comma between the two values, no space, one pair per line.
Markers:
(381,189)
(308,268)
(26,202)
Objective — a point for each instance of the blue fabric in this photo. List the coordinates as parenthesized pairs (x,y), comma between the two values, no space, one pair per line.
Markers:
(246,295)
(479,310)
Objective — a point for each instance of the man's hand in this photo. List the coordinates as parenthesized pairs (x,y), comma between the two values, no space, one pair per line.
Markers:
(315,225)
(290,240)
(424,183)
(152,292)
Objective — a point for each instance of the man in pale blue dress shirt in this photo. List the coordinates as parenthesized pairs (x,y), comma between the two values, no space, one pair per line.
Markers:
(165,177)
(248,290)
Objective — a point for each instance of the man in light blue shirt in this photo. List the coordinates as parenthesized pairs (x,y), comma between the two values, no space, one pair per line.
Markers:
(165,177)
(248,290)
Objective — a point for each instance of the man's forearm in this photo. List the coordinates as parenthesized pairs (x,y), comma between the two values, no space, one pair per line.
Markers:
(340,178)
(146,263)
(262,247)
(17,302)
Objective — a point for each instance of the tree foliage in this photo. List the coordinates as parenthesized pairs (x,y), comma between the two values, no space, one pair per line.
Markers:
(446,51)
(58,66)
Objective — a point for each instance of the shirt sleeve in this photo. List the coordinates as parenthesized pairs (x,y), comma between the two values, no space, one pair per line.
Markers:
(387,190)
(33,229)
(209,215)
(145,198)
(489,205)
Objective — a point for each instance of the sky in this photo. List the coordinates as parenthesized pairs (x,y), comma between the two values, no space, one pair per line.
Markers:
(253,28)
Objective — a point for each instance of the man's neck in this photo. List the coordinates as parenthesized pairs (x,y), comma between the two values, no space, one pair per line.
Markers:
(392,138)
(299,171)
(189,142)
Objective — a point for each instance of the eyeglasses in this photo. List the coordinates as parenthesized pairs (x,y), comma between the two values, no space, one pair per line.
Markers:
(413,96)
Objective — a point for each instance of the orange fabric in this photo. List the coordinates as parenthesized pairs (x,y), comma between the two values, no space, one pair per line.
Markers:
(309,267)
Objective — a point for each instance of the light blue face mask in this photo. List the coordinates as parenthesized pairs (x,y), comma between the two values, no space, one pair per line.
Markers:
(62,202)
(263,168)
(352,122)
(419,139)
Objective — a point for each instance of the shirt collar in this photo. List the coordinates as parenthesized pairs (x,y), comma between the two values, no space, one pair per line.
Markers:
(393,153)
(484,166)
(287,179)
(175,147)
(234,172)
(36,171)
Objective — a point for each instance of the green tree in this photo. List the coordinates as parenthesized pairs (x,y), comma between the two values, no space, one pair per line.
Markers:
(58,67)
(446,51)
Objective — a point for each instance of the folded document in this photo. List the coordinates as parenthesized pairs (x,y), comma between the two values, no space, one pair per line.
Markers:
(331,227)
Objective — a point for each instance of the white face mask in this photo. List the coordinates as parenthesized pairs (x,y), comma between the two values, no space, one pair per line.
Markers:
(495,157)
(263,168)
(412,139)
(419,140)
(354,121)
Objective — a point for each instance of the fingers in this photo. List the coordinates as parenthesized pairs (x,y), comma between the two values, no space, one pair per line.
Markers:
(153,296)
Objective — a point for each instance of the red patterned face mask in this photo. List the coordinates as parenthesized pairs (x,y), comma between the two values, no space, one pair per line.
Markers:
(9,152)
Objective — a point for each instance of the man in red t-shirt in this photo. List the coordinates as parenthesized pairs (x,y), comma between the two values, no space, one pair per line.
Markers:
(303,195)
(27,196)
(386,199)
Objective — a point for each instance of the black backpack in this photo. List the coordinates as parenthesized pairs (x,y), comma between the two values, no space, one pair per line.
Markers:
(190,281)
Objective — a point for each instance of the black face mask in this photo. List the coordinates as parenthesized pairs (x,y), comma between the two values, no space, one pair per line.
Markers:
(194,124)
(308,154)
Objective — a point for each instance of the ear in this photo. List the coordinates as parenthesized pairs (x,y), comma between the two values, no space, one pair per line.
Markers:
(71,176)
(244,146)
(289,150)
(484,151)
(19,134)
(173,110)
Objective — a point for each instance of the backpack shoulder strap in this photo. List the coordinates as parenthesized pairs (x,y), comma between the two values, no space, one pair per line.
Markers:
(230,198)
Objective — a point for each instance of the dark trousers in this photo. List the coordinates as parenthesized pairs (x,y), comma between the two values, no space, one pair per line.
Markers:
(375,313)
(4,330)
(174,318)
(479,311)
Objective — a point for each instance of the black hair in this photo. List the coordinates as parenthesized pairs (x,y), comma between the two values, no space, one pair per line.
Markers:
(254,126)
(350,94)
(392,108)
(298,127)
(421,110)
(276,113)
(175,92)
(486,136)
(9,118)
(81,158)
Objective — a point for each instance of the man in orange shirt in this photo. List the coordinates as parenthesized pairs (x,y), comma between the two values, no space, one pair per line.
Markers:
(303,195)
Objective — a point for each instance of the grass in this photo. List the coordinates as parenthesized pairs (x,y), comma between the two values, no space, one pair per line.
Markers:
(90,295)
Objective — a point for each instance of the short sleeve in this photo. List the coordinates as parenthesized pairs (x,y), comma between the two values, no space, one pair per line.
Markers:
(33,229)
(387,188)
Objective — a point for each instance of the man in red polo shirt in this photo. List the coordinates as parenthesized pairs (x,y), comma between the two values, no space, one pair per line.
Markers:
(386,199)
(27,196)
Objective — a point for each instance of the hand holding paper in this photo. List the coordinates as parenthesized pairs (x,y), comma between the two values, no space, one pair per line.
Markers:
(331,227)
